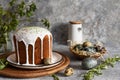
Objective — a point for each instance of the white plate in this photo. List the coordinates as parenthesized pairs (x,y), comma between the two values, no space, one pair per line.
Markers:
(57,59)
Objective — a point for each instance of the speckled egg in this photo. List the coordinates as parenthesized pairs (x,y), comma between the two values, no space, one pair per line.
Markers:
(78,46)
(89,63)
(87,44)
(69,71)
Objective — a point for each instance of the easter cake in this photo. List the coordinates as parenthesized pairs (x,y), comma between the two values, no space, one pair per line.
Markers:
(33,45)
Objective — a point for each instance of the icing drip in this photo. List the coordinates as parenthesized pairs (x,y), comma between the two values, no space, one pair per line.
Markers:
(42,49)
(30,36)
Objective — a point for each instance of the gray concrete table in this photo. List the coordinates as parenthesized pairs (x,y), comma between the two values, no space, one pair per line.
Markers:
(108,74)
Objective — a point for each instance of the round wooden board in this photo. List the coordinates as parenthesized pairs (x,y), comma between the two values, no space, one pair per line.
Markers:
(11,71)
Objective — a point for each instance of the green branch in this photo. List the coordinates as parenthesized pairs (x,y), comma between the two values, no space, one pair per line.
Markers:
(98,69)
(46,23)
(10,17)
(55,77)
(3,63)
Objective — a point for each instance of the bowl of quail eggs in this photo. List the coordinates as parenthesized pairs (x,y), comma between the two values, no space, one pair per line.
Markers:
(88,49)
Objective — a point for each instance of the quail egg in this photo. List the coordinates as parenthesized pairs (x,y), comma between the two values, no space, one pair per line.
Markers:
(78,46)
(87,44)
(68,71)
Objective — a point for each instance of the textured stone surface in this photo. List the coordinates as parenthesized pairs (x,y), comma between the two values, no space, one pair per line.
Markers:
(101,22)
(100,18)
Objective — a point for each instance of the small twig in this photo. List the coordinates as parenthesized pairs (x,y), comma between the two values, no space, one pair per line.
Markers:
(55,77)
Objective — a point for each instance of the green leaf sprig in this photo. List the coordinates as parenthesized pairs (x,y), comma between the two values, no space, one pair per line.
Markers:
(46,23)
(55,77)
(3,63)
(11,16)
(98,69)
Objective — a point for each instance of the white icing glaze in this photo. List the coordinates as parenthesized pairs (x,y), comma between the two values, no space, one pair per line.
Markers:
(42,49)
(29,35)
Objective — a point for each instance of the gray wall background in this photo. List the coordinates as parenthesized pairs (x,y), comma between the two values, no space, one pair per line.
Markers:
(101,18)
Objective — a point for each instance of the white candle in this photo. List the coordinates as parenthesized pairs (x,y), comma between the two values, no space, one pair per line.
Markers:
(75,32)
